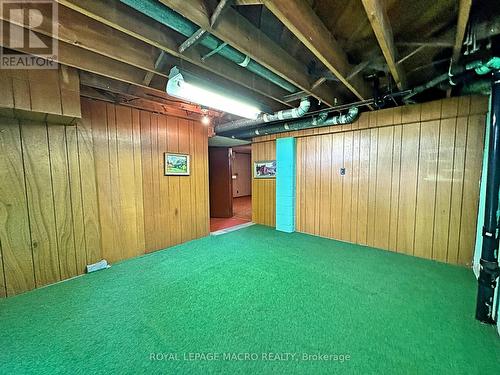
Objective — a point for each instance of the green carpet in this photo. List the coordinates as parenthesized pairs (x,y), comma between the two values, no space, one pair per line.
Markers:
(260,292)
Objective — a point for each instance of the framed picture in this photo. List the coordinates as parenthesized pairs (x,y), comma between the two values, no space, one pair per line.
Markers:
(176,164)
(264,169)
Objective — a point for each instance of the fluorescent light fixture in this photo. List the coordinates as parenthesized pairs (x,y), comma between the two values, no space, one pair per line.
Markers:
(198,92)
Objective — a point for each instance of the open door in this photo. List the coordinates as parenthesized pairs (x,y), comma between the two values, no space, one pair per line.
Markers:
(220,182)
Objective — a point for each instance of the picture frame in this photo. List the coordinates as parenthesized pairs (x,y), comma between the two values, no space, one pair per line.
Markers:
(176,164)
(264,169)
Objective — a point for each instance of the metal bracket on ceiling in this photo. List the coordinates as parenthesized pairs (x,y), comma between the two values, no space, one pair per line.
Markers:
(221,7)
(149,75)
(318,83)
(301,94)
(192,40)
(295,96)
(357,69)
(213,52)
(414,52)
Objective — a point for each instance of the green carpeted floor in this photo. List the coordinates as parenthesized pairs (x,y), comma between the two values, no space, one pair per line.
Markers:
(260,292)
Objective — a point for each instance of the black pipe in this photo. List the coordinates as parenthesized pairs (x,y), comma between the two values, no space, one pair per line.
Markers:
(489,270)
(282,127)
(319,121)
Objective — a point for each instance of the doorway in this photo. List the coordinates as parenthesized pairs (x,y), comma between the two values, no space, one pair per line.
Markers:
(230,180)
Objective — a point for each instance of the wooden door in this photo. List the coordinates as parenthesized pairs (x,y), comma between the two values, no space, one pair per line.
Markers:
(221,183)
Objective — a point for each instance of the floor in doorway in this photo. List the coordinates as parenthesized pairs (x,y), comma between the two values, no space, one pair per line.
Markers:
(242,207)
(242,213)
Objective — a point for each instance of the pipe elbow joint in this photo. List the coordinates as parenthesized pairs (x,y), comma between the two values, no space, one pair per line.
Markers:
(303,107)
(352,114)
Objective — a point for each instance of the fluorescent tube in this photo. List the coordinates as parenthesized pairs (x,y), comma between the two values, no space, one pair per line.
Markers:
(178,87)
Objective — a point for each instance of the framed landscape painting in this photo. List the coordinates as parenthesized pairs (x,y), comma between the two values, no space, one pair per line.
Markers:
(264,169)
(176,164)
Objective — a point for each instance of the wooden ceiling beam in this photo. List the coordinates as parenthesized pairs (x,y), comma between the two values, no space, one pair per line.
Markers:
(80,58)
(302,21)
(86,60)
(122,18)
(381,26)
(463,18)
(152,95)
(136,96)
(83,32)
(136,102)
(241,34)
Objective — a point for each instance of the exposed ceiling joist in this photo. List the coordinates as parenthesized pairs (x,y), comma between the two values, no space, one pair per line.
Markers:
(463,17)
(300,18)
(136,102)
(146,94)
(83,32)
(238,32)
(120,17)
(383,32)
(76,57)
(86,60)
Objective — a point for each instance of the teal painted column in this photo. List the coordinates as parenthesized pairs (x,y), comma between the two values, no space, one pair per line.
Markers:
(285,184)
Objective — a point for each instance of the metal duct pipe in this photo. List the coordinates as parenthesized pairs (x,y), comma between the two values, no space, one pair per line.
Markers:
(489,270)
(315,122)
(434,82)
(349,117)
(459,74)
(477,87)
(483,68)
(168,17)
(286,114)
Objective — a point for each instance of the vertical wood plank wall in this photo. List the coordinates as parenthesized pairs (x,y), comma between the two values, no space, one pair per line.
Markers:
(140,209)
(72,195)
(263,190)
(41,94)
(411,183)
(49,227)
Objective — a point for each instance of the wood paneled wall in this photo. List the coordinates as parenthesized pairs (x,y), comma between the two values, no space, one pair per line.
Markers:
(49,224)
(411,183)
(51,95)
(73,195)
(140,209)
(263,189)
(175,207)
(117,159)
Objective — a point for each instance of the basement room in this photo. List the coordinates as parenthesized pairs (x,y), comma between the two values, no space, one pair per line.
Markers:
(249,187)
